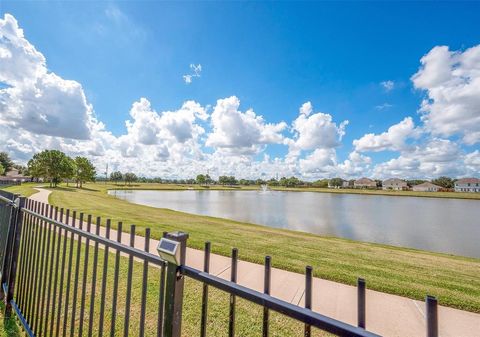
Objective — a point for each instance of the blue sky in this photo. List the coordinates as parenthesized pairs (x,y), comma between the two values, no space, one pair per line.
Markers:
(272,56)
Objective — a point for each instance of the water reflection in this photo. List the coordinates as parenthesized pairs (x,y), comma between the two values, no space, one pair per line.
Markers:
(444,225)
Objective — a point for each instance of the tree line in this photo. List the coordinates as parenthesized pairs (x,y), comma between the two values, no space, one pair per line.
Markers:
(55,166)
(128,177)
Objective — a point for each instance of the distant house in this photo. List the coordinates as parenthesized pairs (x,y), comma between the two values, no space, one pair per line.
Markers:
(365,183)
(467,185)
(394,184)
(14,175)
(426,187)
(345,184)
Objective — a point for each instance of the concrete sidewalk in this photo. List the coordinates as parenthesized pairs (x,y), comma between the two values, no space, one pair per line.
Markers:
(387,315)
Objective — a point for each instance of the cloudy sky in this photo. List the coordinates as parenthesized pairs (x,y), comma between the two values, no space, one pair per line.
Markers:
(314,90)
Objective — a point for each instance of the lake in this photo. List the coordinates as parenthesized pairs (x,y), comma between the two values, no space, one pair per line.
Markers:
(441,225)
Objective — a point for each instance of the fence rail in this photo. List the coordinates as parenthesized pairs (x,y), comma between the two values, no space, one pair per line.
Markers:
(62,278)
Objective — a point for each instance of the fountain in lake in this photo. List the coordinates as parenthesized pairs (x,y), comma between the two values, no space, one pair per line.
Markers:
(264,187)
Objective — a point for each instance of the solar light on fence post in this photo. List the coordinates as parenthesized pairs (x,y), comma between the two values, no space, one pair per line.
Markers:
(432,316)
(172,249)
(361,302)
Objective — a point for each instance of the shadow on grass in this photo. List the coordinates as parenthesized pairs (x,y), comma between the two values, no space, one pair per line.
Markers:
(8,326)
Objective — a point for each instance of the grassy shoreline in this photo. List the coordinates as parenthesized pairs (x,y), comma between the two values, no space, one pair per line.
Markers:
(412,273)
(27,190)
(448,195)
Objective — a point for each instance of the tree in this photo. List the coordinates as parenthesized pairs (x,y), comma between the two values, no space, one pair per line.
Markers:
(208,180)
(69,169)
(201,179)
(84,171)
(116,176)
(5,162)
(2,170)
(322,183)
(130,177)
(52,165)
(414,182)
(21,169)
(336,182)
(273,182)
(445,182)
(223,180)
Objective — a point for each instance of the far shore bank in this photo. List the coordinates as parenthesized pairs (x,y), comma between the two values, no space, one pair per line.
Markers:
(167,187)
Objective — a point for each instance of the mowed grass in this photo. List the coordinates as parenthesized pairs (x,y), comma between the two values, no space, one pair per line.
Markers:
(248,316)
(8,326)
(26,189)
(406,272)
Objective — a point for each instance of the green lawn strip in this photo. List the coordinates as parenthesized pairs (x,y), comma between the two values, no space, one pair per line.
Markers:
(249,315)
(26,189)
(8,326)
(406,272)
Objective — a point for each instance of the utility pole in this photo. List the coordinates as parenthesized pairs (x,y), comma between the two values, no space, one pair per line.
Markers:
(106,174)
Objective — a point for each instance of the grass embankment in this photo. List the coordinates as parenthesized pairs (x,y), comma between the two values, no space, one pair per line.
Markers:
(8,326)
(248,319)
(407,272)
(26,189)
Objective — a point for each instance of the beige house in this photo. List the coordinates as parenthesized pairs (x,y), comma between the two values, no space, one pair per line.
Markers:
(365,183)
(467,185)
(394,184)
(426,187)
(14,175)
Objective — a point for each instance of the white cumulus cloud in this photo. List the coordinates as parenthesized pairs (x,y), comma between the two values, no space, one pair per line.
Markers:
(392,139)
(314,131)
(35,99)
(237,132)
(451,80)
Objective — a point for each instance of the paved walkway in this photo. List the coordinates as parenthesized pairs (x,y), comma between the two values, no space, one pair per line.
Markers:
(387,315)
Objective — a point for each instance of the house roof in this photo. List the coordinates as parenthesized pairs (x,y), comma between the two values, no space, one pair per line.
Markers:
(364,181)
(468,181)
(394,181)
(427,184)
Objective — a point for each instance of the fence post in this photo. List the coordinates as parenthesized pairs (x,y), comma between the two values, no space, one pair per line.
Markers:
(8,247)
(174,289)
(361,303)
(12,273)
(432,316)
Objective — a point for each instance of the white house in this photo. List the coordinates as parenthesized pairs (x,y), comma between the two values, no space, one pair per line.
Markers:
(345,184)
(394,184)
(426,187)
(467,185)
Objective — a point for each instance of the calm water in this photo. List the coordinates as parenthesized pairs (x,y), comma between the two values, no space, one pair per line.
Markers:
(442,225)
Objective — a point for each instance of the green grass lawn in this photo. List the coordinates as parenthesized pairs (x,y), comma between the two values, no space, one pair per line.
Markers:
(8,327)
(26,189)
(407,272)
(248,315)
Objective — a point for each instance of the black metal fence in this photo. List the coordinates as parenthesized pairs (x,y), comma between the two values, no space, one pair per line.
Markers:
(65,275)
